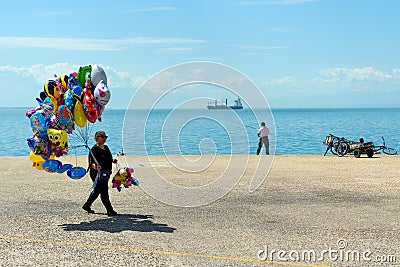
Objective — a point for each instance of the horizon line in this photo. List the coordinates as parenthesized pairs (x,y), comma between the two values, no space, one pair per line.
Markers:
(198,108)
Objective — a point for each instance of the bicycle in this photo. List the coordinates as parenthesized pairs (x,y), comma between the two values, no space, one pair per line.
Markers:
(385,149)
(339,146)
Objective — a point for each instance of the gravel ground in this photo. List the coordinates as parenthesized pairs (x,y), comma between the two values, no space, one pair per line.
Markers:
(307,202)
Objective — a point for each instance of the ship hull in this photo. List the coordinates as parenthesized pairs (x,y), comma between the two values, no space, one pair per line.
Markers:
(218,107)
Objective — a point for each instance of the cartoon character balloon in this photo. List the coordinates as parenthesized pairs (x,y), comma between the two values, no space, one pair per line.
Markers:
(58,141)
(101,96)
(124,176)
(88,100)
(65,118)
(84,75)
(65,103)
(101,93)
(69,99)
(54,92)
(62,82)
(74,85)
(39,123)
(98,74)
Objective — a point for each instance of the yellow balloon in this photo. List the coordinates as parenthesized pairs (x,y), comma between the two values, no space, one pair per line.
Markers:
(54,102)
(121,176)
(79,115)
(37,160)
(57,138)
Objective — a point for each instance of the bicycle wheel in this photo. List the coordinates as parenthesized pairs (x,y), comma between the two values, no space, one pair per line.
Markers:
(370,153)
(342,148)
(334,148)
(389,151)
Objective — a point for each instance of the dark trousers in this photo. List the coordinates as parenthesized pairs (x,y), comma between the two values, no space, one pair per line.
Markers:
(101,189)
(263,140)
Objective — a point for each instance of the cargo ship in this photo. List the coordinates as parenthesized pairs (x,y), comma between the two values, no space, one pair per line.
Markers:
(216,105)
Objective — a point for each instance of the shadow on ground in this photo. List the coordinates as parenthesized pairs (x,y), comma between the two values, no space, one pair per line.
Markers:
(120,223)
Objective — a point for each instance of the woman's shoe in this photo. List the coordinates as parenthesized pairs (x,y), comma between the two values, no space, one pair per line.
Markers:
(112,213)
(88,209)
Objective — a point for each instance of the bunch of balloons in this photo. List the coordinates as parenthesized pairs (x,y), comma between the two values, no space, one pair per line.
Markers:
(124,176)
(67,102)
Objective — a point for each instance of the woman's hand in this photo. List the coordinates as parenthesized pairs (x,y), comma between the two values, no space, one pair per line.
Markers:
(96,167)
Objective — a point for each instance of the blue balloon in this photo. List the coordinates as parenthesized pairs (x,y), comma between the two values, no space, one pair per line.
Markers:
(76,172)
(66,121)
(64,168)
(68,99)
(75,86)
(47,100)
(39,123)
(52,165)
(135,182)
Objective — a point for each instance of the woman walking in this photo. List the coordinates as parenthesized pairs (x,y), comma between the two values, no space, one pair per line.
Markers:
(100,163)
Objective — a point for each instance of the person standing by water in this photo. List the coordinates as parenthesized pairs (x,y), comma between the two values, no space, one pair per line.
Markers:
(100,162)
(263,134)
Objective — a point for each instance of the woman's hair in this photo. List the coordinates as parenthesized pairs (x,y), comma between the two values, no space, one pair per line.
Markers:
(97,134)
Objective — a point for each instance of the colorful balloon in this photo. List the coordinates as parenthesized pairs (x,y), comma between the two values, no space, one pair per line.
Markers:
(75,86)
(124,176)
(39,145)
(37,160)
(102,93)
(54,92)
(76,172)
(98,74)
(88,100)
(62,82)
(79,114)
(58,141)
(84,74)
(66,101)
(51,165)
(65,118)
(39,123)
(56,166)
(69,100)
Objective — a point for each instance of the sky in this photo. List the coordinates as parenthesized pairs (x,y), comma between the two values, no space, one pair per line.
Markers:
(300,53)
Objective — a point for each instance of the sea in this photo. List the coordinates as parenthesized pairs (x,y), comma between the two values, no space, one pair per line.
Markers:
(220,132)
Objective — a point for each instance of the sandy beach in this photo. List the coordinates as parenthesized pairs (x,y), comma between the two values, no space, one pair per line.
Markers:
(307,202)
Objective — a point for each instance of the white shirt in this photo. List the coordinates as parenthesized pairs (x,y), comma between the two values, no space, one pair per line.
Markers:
(264,131)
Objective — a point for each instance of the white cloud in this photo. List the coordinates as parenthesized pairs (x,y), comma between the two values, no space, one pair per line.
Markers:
(151,9)
(284,81)
(396,71)
(122,79)
(259,47)
(332,75)
(275,2)
(41,73)
(177,49)
(203,58)
(84,44)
